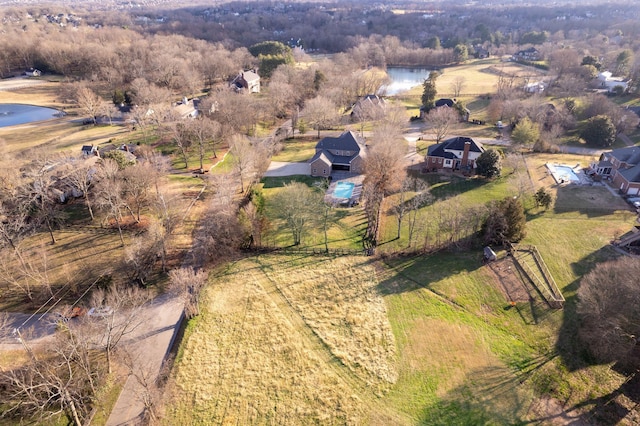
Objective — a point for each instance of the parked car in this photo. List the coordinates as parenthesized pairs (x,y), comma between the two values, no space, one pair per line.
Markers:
(634,201)
(100,311)
(68,313)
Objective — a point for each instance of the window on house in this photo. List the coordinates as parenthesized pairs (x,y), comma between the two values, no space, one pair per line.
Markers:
(439,160)
(313,171)
(324,171)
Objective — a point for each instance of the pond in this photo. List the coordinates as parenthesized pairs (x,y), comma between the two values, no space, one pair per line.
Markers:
(403,79)
(13,114)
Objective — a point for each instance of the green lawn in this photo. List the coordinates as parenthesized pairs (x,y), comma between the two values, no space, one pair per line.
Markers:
(347,224)
(300,149)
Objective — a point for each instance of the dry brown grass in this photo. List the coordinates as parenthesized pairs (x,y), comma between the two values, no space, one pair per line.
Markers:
(572,197)
(288,345)
(339,301)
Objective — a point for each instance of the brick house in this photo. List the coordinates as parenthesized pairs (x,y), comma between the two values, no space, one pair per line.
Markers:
(622,166)
(345,152)
(459,153)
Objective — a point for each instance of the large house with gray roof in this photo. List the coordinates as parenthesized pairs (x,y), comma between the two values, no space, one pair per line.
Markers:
(622,167)
(459,153)
(345,153)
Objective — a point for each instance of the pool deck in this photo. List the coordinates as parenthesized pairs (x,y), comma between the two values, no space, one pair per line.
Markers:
(577,170)
(344,177)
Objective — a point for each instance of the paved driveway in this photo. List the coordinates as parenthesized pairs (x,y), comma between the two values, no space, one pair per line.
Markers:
(280,168)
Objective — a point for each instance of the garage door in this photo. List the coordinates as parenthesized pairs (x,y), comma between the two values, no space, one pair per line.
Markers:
(633,191)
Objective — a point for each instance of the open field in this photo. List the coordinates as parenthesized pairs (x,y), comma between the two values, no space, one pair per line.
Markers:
(287,352)
(282,336)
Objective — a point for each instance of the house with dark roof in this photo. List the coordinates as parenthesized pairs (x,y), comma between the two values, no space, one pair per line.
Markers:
(449,103)
(622,167)
(459,153)
(248,80)
(345,152)
(530,54)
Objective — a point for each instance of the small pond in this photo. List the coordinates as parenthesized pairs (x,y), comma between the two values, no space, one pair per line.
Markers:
(403,79)
(13,114)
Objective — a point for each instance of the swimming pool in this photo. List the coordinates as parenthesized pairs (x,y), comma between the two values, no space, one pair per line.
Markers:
(563,174)
(343,190)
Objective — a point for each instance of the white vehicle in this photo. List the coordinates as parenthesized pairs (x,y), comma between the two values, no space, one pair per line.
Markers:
(101,311)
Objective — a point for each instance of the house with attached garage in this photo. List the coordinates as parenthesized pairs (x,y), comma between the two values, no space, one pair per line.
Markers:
(345,153)
(248,80)
(459,153)
(622,167)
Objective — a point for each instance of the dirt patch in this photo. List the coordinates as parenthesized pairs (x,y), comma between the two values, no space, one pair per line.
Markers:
(508,281)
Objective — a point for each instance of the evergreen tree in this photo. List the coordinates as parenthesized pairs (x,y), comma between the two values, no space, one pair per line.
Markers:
(429,92)
(599,131)
(505,223)
(543,198)
(488,164)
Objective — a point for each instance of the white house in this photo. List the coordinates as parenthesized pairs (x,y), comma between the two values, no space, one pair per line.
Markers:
(606,80)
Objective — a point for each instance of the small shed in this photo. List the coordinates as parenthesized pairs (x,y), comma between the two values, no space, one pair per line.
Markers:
(489,255)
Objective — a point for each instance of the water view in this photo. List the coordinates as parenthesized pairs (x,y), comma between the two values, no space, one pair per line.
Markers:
(13,114)
(403,79)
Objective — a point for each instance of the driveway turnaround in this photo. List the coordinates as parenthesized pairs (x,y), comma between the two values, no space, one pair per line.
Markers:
(279,168)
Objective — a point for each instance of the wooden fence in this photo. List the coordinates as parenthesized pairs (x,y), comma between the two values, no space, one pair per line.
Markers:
(312,251)
(531,263)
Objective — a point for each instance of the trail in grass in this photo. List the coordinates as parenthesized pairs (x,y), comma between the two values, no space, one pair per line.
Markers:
(366,384)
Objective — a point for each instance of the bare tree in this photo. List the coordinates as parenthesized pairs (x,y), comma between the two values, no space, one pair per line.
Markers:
(188,283)
(607,306)
(110,193)
(457,85)
(42,195)
(117,313)
(89,103)
(320,113)
(139,181)
(62,378)
(81,176)
(368,109)
(441,120)
(298,206)
(243,159)
(203,131)
(384,173)
(180,134)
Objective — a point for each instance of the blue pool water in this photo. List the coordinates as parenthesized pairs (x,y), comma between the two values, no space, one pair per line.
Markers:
(563,173)
(343,189)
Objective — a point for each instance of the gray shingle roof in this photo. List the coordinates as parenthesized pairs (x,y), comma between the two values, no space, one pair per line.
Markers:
(348,141)
(629,155)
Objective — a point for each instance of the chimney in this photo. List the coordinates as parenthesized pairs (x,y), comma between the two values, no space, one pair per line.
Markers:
(465,154)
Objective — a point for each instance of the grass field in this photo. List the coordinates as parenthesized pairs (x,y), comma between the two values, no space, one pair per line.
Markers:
(345,232)
(282,336)
(268,351)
